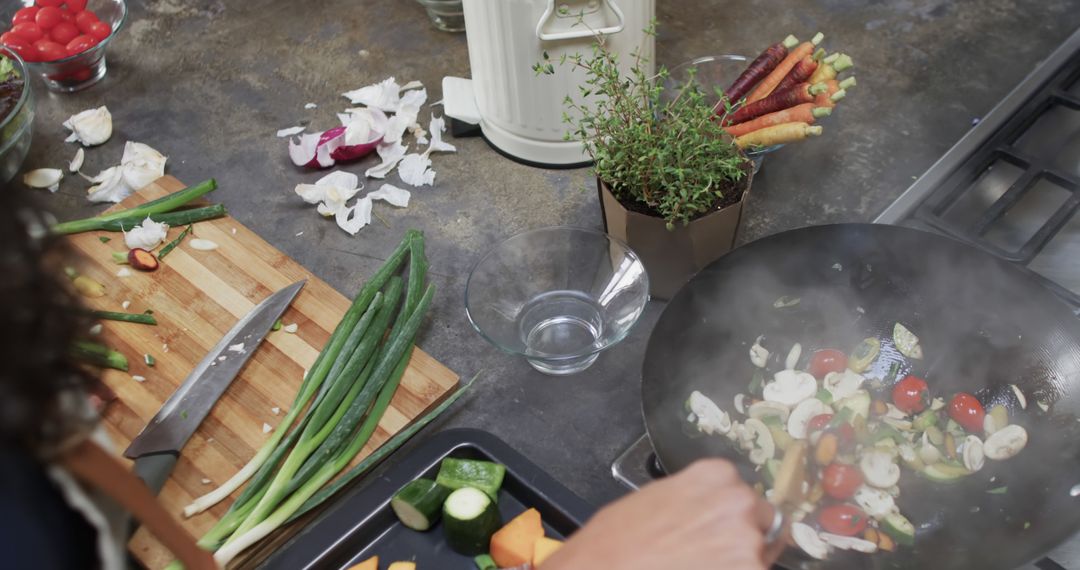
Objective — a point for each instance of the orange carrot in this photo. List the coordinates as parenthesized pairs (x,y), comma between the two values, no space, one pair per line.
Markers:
(778,134)
(805,113)
(829,69)
(768,85)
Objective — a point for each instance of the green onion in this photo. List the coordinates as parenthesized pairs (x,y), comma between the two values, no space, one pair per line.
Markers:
(277,325)
(177,218)
(120,258)
(162,205)
(149,360)
(172,244)
(99,355)
(386,374)
(140,318)
(998,490)
(104,239)
(312,382)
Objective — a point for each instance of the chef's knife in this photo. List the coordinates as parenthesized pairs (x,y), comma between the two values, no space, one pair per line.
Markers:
(156,449)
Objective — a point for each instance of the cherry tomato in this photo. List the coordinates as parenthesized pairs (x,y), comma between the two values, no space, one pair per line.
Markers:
(827,360)
(48,17)
(99,30)
(84,19)
(75,5)
(63,32)
(49,50)
(27,31)
(53,3)
(68,16)
(818,423)
(80,44)
(840,481)
(25,15)
(966,410)
(17,45)
(911,394)
(845,520)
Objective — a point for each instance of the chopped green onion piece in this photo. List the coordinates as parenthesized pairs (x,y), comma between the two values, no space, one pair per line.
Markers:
(277,325)
(104,239)
(998,490)
(140,318)
(183,414)
(119,258)
(1027,525)
(172,244)
(149,360)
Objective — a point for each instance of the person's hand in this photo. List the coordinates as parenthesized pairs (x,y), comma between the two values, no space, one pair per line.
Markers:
(704,517)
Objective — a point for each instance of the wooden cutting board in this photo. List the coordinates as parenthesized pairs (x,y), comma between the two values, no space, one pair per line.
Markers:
(196,297)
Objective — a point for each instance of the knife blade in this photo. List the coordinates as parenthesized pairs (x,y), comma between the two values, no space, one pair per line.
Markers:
(157,447)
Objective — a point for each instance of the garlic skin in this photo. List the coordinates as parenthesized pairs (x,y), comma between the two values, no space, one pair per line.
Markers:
(147,235)
(90,127)
(141,165)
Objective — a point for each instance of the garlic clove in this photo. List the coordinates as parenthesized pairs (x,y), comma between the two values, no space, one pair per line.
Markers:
(77,161)
(90,127)
(44,178)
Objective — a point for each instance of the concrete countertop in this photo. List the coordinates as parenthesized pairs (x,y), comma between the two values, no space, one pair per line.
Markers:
(208,83)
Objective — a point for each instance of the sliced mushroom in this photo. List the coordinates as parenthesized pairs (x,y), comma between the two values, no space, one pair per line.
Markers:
(710,418)
(790,387)
(849,543)
(764,409)
(937,403)
(793,357)
(973,453)
(803,413)
(759,355)
(875,502)
(1019,396)
(763,447)
(1005,443)
(733,433)
(843,384)
(878,469)
(808,540)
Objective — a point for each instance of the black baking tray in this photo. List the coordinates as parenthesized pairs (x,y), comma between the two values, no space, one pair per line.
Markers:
(362,524)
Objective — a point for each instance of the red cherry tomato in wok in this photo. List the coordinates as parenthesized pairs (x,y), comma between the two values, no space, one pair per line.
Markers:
(966,410)
(911,394)
(818,423)
(825,361)
(840,481)
(845,520)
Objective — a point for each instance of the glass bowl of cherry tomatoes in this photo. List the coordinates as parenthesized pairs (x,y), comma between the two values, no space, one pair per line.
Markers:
(64,41)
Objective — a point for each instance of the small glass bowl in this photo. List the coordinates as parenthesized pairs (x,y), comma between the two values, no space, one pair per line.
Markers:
(80,71)
(447,15)
(712,73)
(557,296)
(16,129)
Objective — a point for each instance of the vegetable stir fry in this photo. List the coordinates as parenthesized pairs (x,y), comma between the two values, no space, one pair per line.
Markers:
(859,441)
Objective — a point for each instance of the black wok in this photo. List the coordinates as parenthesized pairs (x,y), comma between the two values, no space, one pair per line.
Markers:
(983,324)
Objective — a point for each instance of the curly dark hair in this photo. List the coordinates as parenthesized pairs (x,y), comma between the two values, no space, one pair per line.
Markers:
(40,317)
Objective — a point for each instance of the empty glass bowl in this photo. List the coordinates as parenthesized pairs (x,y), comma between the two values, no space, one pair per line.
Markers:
(713,72)
(79,71)
(557,296)
(447,15)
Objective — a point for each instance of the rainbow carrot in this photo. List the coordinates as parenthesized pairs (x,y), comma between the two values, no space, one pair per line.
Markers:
(759,68)
(768,85)
(805,113)
(801,93)
(801,72)
(829,69)
(778,134)
(835,91)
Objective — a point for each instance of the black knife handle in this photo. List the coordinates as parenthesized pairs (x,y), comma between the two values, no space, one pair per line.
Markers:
(154,469)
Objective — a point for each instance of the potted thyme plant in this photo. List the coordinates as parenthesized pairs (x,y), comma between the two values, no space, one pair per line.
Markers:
(671,180)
